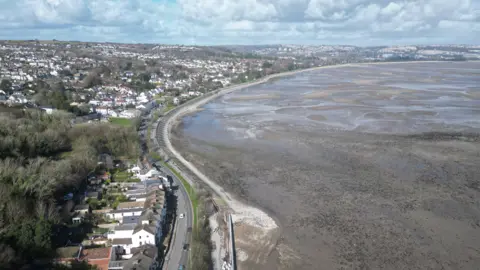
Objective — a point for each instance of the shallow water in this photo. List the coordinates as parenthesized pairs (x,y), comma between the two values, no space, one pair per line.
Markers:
(399,97)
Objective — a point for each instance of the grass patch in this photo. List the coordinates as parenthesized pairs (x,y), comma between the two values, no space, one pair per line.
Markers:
(100,230)
(124,176)
(120,121)
(190,191)
(169,107)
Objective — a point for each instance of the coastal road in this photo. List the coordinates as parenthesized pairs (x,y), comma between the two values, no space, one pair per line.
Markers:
(176,256)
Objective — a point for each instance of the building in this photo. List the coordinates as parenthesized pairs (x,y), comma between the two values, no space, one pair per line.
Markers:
(99,257)
(130,205)
(120,213)
(143,234)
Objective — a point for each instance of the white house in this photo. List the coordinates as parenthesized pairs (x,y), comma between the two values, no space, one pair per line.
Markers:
(119,214)
(48,110)
(139,197)
(130,113)
(149,174)
(122,231)
(142,235)
(136,192)
(124,244)
(134,170)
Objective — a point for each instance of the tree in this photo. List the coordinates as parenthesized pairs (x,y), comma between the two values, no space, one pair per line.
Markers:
(92,80)
(267,64)
(42,239)
(145,77)
(6,85)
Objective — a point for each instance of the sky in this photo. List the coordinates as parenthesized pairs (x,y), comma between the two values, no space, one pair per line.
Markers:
(246,22)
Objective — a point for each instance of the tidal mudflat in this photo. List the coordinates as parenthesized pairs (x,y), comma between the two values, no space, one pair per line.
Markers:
(364,166)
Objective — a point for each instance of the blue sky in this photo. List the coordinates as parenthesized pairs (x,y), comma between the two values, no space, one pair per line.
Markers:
(205,22)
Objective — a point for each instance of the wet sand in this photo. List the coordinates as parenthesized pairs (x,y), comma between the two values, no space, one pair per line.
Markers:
(341,159)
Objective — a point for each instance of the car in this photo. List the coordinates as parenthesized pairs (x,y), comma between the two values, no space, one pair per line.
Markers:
(182,215)
(185,247)
(181,267)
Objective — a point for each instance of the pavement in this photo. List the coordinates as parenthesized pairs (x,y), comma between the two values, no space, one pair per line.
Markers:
(176,255)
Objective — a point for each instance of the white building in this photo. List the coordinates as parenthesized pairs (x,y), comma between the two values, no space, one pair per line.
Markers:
(149,174)
(121,231)
(124,244)
(130,113)
(119,214)
(142,235)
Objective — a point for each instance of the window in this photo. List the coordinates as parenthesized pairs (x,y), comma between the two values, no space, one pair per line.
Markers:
(140,243)
(139,237)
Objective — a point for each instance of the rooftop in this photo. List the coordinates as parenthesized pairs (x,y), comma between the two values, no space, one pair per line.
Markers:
(96,253)
(122,241)
(126,210)
(130,220)
(125,227)
(144,227)
(130,205)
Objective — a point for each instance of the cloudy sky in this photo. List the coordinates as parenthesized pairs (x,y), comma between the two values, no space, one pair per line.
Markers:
(203,22)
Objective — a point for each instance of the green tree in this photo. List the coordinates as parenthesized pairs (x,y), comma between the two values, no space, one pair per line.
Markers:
(6,85)
(145,77)
(24,235)
(43,238)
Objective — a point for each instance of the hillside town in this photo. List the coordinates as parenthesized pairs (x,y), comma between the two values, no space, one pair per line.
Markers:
(122,217)
(128,211)
(120,80)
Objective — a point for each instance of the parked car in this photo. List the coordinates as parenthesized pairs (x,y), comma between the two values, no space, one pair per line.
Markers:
(182,215)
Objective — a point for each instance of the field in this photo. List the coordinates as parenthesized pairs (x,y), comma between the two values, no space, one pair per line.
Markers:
(121,121)
(364,167)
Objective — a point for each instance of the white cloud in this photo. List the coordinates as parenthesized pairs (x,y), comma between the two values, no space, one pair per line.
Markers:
(359,22)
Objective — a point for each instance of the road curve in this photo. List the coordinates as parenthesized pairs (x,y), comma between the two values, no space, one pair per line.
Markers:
(176,256)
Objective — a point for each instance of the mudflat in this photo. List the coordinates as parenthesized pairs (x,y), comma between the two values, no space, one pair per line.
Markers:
(364,166)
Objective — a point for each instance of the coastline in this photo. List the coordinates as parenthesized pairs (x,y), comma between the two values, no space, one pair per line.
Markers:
(243,211)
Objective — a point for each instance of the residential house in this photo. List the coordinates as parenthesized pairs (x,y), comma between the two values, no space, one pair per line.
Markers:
(130,205)
(130,113)
(122,245)
(149,174)
(144,258)
(134,170)
(120,213)
(122,231)
(100,257)
(139,198)
(81,209)
(79,212)
(93,195)
(144,234)
(135,192)
(130,220)
(48,110)
(3,96)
